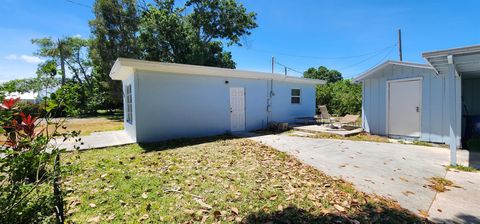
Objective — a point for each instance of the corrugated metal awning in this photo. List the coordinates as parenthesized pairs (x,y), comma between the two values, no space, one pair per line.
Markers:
(465,59)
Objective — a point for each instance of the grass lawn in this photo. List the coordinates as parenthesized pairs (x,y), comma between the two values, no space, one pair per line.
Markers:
(86,126)
(210,180)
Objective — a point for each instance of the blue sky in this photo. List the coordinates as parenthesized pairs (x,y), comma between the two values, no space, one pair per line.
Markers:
(321,32)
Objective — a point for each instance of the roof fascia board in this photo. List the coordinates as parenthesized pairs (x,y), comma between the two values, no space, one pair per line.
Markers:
(122,63)
(452,51)
(387,63)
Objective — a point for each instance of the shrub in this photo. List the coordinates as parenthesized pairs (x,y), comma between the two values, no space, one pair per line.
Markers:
(341,97)
(29,162)
(29,108)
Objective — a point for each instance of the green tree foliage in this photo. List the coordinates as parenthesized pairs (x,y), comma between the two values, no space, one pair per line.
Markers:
(184,43)
(341,97)
(45,78)
(81,93)
(323,73)
(193,33)
(115,34)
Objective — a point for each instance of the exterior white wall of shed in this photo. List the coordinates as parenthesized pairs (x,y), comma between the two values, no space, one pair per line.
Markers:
(434,108)
(169,106)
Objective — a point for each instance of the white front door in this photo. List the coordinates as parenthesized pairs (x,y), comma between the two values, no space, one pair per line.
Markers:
(237,109)
(404,107)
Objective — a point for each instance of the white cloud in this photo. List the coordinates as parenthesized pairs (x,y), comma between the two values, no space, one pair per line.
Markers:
(26,58)
(31,59)
(77,35)
(11,57)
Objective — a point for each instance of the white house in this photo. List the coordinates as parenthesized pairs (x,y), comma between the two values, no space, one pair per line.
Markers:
(166,101)
(434,102)
(29,97)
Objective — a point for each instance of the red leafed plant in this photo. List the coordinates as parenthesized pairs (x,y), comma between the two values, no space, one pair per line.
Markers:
(9,103)
(29,157)
(28,124)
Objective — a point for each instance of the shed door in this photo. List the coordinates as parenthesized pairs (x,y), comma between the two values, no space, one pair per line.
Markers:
(404,106)
(237,109)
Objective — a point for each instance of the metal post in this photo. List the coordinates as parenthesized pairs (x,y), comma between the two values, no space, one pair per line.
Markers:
(273,64)
(451,102)
(400,45)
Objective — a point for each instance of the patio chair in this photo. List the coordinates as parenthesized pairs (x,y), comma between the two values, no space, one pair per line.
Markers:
(324,115)
(348,119)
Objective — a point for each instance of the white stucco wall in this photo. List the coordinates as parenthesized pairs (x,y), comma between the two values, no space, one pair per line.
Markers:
(170,106)
(282,108)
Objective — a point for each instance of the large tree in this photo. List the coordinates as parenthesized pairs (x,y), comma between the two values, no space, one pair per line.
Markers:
(80,93)
(323,73)
(193,33)
(115,33)
(169,34)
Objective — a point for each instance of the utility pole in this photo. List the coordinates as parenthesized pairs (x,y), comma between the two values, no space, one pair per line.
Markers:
(400,45)
(62,60)
(273,64)
(285,71)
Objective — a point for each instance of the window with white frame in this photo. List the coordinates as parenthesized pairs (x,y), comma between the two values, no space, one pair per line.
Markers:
(128,95)
(295,96)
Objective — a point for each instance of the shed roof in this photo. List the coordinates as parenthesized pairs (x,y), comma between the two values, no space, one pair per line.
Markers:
(385,64)
(125,66)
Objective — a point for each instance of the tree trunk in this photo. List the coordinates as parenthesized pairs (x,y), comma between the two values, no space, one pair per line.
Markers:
(62,60)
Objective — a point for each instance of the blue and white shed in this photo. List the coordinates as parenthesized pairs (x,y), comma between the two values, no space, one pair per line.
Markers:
(166,101)
(434,102)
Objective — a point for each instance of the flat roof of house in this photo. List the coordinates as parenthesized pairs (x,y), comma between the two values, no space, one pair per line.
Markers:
(388,63)
(125,66)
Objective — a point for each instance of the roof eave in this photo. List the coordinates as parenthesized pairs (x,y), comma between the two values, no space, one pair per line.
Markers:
(452,51)
(387,63)
(124,66)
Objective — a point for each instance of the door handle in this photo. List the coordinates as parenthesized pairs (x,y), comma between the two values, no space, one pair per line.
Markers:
(418,109)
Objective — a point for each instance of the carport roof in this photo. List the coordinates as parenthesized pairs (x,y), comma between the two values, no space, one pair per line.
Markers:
(125,66)
(465,59)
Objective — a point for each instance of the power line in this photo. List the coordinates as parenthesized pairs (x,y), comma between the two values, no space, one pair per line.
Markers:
(325,58)
(366,59)
(80,4)
(375,65)
(390,49)
(289,68)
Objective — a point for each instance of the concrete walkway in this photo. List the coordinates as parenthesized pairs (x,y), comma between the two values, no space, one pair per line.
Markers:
(100,140)
(397,171)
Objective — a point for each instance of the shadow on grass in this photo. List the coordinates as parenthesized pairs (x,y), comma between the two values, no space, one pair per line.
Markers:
(183,142)
(365,214)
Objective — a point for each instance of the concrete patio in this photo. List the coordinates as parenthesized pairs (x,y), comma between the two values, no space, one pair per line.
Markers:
(326,129)
(99,140)
(397,171)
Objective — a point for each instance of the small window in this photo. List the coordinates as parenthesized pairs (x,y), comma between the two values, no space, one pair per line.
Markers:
(128,94)
(295,96)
